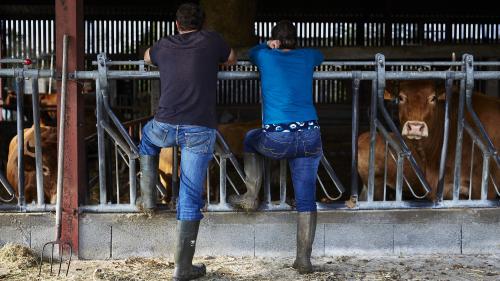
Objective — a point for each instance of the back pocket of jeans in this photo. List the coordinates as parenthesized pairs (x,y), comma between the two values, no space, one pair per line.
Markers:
(312,147)
(199,142)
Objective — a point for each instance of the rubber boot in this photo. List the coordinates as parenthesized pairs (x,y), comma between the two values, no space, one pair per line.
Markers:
(187,231)
(306,229)
(149,178)
(249,201)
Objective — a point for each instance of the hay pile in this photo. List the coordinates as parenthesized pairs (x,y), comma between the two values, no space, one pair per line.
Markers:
(17,256)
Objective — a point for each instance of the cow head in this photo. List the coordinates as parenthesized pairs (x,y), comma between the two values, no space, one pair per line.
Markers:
(418,104)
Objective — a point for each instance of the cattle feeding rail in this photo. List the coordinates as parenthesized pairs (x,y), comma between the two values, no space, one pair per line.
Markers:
(23,75)
(380,121)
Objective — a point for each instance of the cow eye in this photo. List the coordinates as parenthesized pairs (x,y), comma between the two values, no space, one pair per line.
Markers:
(402,98)
(433,99)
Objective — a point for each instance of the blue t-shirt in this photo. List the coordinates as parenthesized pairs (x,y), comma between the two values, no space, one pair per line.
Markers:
(287,83)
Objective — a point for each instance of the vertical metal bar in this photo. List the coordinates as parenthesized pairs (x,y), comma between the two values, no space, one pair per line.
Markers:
(175,173)
(117,175)
(385,168)
(100,143)
(373,138)
(267,181)
(132,180)
(354,135)
(19,85)
(484,178)
(38,142)
(471,168)
(222,180)
(283,173)
(458,149)
(446,134)
(208,184)
(399,178)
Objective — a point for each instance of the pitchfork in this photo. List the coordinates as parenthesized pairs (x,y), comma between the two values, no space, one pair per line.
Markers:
(60,174)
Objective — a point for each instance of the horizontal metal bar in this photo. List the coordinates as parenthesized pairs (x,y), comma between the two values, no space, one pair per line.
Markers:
(26,73)
(31,208)
(320,75)
(135,62)
(109,208)
(386,205)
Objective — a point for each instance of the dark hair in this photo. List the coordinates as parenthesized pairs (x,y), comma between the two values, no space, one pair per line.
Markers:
(190,16)
(286,33)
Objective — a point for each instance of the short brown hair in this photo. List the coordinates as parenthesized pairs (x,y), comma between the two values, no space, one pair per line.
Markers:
(286,33)
(190,16)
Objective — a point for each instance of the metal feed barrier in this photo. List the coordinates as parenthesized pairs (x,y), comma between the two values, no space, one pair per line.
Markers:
(396,148)
(20,75)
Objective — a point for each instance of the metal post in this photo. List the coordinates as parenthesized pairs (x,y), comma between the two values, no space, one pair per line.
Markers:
(133,180)
(354,136)
(283,173)
(20,139)
(222,179)
(458,149)
(399,178)
(267,183)
(100,143)
(446,134)
(38,143)
(373,139)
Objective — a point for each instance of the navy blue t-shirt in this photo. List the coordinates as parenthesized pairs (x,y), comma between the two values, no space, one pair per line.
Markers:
(188,66)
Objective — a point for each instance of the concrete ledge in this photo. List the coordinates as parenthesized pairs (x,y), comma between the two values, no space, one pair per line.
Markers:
(338,233)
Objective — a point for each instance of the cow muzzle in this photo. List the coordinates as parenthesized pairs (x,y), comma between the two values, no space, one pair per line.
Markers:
(415,130)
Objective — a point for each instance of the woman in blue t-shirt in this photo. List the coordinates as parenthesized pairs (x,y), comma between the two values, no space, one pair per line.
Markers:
(289,131)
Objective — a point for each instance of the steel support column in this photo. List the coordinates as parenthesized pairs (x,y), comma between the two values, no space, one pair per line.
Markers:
(69,20)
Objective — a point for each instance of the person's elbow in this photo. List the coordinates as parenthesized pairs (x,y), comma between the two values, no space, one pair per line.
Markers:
(232,59)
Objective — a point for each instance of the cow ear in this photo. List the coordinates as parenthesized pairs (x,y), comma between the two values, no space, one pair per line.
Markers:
(387,95)
(441,96)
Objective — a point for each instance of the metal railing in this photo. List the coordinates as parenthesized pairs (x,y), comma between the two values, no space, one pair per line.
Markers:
(396,148)
(19,75)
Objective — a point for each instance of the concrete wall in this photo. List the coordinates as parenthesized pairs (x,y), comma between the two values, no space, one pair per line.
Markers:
(395,232)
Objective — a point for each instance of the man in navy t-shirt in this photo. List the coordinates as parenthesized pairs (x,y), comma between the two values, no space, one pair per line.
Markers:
(289,131)
(185,117)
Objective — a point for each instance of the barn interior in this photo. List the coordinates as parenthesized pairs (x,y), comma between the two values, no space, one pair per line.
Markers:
(342,30)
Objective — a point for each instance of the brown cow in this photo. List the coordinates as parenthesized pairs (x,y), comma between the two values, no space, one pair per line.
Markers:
(421,113)
(49,163)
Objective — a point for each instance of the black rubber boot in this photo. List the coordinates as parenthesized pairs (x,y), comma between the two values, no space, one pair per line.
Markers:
(149,178)
(249,201)
(306,229)
(187,231)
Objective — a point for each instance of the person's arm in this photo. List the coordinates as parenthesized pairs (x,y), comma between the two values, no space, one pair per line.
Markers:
(232,59)
(147,57)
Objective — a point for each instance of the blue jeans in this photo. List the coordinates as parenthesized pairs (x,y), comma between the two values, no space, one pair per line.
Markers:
(197,145)
(303,150)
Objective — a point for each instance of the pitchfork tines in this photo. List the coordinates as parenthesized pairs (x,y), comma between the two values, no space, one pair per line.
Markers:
(61,246)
